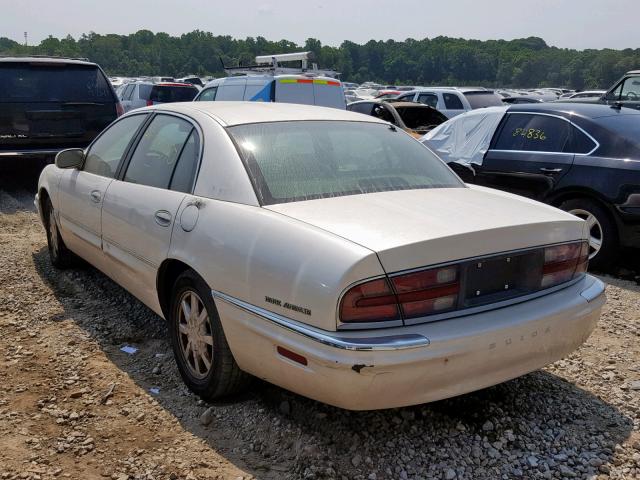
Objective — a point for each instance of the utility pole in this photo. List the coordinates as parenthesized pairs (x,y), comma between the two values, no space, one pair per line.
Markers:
(25,39)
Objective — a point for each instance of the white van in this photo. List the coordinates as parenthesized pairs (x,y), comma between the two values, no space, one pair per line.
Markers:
(308,90)
(268,81)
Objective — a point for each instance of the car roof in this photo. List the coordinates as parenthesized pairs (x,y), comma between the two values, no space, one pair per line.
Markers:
(567,109)
(42,59)
(633,72)
(239,113)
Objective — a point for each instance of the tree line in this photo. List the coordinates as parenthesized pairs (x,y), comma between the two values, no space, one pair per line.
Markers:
(522,63)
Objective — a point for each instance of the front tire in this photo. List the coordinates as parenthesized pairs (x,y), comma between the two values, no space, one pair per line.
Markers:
(61,257)
(200,347)
(603,237)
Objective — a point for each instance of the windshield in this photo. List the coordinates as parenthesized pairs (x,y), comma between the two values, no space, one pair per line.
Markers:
(483,99)
(295,161)
(23,82)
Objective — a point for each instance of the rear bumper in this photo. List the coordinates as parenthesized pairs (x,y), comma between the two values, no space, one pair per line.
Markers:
(413,364)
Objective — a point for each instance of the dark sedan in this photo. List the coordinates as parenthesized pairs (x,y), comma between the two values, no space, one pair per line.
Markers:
(583,158)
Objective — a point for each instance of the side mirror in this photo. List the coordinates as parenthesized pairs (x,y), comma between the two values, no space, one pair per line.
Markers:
(70,158)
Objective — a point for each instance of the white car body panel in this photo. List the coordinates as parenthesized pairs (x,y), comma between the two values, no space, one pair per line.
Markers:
(306,254)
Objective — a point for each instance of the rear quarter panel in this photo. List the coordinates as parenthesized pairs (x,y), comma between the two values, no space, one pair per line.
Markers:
(251,253)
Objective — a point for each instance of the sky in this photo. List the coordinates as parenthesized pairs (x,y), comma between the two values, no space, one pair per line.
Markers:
(578,24)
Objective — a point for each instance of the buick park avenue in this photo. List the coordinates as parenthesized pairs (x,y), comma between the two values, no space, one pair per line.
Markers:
(322,250)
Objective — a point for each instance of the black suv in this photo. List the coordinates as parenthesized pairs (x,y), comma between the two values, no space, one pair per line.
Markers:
(48,104)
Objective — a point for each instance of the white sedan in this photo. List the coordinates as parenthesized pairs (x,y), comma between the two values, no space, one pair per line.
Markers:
(322,250)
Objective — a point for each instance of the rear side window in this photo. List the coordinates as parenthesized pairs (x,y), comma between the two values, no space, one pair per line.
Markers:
(106,152)
(208,95)
(157,152)
(52,82)
(428,99)
(452,102)
(580,142)
(483,99)
(533,133)
(169,94)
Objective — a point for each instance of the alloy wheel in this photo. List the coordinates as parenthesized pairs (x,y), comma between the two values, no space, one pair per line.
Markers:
(195,335)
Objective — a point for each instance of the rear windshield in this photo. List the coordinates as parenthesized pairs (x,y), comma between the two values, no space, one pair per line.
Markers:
(483,99)
(295,161)
(168,94)
(23,82)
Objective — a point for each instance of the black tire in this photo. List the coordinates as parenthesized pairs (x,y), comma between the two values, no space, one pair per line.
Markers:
(608,252)
(61,257)
(223,377)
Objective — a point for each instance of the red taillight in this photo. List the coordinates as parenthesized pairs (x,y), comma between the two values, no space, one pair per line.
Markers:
(563,263)
(119,109)
(428,291)
(149,103)
(372,301)
(413,295)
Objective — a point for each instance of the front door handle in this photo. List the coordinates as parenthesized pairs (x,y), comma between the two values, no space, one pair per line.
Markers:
(550,170)
(163,218)
(96,196)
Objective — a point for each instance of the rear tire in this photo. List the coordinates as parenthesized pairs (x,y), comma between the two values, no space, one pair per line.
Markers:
(200,347)
(603,240)
(61,257)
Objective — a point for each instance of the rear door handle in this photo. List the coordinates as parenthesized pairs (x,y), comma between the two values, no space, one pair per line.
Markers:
(163,218)
(550,170)
(96,196)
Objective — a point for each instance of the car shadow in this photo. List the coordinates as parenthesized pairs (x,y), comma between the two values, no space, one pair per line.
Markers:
(18,185)
(273,433)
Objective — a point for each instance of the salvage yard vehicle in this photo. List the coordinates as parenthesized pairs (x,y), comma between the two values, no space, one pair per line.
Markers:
(48,104)
(321,250)
(269,81)
(414,118)
(582,158)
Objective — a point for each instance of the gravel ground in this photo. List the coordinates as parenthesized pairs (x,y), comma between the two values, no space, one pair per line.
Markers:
(73,405)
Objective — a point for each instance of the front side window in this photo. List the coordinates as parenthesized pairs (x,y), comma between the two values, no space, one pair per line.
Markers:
(107,151)
(208,95)
(533,133)
(295,161)
(155,157)
(630,89)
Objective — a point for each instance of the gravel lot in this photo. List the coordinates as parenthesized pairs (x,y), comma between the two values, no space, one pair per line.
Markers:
(73,405)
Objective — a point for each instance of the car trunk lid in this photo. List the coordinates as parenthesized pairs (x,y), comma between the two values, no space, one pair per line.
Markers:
(415,228)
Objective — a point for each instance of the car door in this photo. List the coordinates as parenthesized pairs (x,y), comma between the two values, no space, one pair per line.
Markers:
(140,207)
(81,192)
(528,155)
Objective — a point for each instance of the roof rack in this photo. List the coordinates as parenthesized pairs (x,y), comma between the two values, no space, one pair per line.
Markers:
(270,64)
(56,57)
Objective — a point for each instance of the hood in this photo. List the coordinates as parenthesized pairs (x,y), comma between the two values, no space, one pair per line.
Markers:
(414,228)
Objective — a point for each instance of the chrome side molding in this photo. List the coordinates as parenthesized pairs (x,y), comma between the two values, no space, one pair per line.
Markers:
(377,343)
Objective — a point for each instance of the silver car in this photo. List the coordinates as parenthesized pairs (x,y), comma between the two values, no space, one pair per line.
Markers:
(325,251)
